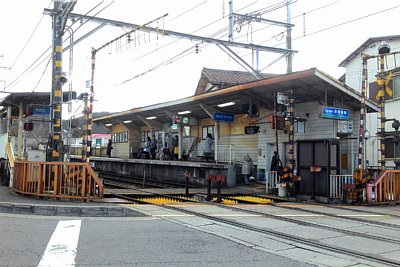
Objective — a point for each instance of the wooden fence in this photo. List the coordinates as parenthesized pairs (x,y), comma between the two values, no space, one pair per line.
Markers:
(57,180)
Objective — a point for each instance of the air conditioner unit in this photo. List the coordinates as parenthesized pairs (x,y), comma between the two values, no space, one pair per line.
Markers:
(344,127)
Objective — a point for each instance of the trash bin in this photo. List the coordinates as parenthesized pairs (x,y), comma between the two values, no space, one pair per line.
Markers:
(282,190)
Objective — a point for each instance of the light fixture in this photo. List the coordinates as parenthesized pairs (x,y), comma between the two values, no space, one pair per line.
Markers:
(226,104)
(184,112)
(108,124)
(128,121)
(151,118)
(366,134)
(384,48)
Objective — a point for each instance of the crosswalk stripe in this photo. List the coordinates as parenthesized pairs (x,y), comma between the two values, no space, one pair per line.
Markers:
(62,247)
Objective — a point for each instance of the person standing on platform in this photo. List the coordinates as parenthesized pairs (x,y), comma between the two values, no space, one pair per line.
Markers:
(247,168)
(175,144)
(109,148)
(153,147)
(274,162)
(208,146)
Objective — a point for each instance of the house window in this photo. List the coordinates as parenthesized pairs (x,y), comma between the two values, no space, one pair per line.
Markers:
(396,87)
(206,130)
(300,126)
(392,150)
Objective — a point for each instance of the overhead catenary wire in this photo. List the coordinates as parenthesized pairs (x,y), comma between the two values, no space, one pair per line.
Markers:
(180,55)
(29,39)
(15,81)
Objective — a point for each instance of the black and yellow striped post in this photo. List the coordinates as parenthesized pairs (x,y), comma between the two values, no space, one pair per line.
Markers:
(383,49)
(56,95)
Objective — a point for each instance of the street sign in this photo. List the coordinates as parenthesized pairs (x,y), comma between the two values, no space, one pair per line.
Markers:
(219,116)
(335,113)
(385,83)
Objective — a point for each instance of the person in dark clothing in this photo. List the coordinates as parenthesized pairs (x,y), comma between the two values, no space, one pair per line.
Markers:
(274,162)
(153,147)
(109,148)
(175,150)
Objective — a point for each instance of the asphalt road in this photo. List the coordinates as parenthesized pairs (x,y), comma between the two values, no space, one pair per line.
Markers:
(29,240)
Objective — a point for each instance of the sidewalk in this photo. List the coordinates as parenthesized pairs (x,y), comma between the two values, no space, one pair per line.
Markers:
(10,202)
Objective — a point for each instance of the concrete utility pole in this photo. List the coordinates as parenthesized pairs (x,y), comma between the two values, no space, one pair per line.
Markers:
(62,10)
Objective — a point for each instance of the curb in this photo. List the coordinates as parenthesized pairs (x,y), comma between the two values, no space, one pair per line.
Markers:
(89,211)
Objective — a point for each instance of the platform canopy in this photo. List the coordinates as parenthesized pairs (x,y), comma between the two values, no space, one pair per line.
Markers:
(28,98)
(308,85)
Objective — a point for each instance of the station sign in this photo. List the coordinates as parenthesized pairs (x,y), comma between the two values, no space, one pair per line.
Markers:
(40,110)
(251,129)
(335,113)
(219,116)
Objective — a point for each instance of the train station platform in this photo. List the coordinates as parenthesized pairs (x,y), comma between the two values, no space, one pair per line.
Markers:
(11,202)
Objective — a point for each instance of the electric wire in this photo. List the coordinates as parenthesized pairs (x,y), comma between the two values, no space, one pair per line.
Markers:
(16,80)
(199,29)
(40,79)
(178,56)
(29,38)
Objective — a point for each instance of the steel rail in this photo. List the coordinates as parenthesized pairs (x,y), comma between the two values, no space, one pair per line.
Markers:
(289,237)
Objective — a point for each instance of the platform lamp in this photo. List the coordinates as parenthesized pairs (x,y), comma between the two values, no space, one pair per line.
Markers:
(383,49)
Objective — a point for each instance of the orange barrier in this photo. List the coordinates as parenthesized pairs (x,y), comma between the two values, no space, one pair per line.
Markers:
(385,189)
(57,180)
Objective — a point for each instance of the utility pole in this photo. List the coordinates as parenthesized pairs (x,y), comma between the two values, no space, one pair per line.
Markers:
(60,16)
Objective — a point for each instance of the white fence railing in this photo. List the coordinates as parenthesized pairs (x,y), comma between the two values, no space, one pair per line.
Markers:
(336,182)
(271,180)
(225,153)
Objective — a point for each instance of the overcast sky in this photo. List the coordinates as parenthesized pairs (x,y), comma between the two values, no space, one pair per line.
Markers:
(153,68)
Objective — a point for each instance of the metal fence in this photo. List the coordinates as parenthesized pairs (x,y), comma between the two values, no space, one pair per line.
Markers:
(271,181)
(225,153)
(336,182)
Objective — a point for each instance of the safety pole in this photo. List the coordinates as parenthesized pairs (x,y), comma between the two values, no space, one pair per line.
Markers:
(361,138)
(290,110)
(85,127)
(382,113)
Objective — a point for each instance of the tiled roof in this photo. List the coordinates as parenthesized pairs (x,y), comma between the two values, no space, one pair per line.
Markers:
(226,78)
(229,77)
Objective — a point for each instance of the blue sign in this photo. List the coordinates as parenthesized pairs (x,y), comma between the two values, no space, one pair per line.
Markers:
(335,113)
(41,110)
(218,116)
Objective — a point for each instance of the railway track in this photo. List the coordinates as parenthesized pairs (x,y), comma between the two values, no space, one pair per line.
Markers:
(124,181)
(354,251)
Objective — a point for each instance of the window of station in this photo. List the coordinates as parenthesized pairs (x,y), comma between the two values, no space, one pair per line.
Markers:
(121,137)
(206,130)
(144,135)
(186,131)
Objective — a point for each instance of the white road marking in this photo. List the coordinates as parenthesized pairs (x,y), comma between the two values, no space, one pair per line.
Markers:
(62,247)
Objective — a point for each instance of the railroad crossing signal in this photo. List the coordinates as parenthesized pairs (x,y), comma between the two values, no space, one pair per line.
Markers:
(385,83)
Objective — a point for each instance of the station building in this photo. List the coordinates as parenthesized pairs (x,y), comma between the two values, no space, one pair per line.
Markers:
(248,115)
